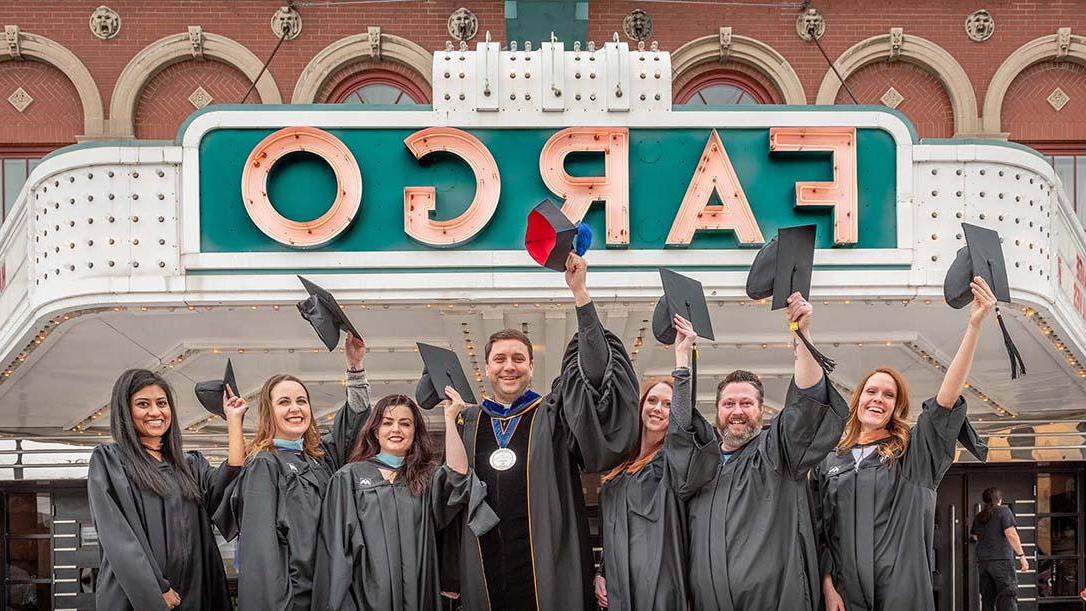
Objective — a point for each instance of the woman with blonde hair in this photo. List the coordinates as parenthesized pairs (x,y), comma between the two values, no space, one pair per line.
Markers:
(875,495)
(641,517)
(274,508)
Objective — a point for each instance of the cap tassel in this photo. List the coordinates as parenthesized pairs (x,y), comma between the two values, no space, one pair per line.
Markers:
(826,363)
(1017,364)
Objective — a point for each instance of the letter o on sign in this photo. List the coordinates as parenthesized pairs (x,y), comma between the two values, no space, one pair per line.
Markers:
(254,187)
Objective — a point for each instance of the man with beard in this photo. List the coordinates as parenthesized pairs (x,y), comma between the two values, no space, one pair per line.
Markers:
(750,526)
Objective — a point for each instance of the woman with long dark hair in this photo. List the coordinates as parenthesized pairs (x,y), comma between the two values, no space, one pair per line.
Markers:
(997,547)
(377,547)
(641,518)
(875,495)
(274,507)
(150,502)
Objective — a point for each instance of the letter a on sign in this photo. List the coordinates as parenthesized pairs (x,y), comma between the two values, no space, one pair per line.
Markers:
(714,173)
(613,188)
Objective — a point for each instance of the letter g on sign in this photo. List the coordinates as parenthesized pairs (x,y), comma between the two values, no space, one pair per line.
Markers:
(254,187)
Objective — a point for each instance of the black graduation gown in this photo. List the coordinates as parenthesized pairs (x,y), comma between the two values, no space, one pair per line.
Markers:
(377,545)
(877,520)
(578,426)
(644,540)
(274,510)
(751,534)
(150,544)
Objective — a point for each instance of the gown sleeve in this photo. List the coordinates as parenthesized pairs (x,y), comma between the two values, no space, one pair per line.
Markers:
(452,492)
(263,557)
(691,449)
(826,565)
(806,430)
(215,482)
(600,421)
(931,442)
(339,443)
(339,544)
(128,556)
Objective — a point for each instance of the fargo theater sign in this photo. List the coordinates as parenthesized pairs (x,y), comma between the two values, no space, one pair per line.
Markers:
(710,180)
(789,171)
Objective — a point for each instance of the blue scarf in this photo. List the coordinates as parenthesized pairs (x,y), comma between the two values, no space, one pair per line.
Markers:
(497,410)
(389,460)
(289,444)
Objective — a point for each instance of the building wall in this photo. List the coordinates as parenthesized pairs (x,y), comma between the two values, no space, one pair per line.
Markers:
(962,70)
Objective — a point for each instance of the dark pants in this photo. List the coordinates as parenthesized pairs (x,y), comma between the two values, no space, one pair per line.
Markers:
(998,585)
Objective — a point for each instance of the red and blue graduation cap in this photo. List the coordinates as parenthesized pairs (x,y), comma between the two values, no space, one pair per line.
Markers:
(551,236)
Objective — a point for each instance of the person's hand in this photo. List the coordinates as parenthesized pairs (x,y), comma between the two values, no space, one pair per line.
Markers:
(799,311)
(834,602)
(451,595)
(453,405)
(576,274)
(601,591)
(1023,564)
(173,599)
(684,340)
(984,301)
(355,347)
(232,405)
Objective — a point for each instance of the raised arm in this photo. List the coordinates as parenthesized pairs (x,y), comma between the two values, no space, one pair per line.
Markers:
(349,419)
(453,487)
(691,448)
(984,302)
(808,373)
(591,342)
(455,454)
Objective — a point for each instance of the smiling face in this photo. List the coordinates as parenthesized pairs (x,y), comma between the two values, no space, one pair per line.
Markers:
(738,414)
(877,401)
(151,413)
(509,370)
(290,410)
(396,432)
(656,409)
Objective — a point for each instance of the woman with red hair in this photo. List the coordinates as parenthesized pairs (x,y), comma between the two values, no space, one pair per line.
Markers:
(876,492)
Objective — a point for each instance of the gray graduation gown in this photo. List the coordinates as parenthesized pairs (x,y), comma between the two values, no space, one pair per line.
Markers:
(644,540)
(274,510)
(751,533)
(578,427)
(377,546)
(877,519)
(150,544)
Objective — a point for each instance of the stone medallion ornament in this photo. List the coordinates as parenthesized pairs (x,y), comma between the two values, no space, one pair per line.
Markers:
(463,24)
(637,25)
(286,23)
(105,23)
(810,25)
(979,25)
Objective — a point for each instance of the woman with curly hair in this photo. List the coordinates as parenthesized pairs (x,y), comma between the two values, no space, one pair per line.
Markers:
(876,492)
(377,545)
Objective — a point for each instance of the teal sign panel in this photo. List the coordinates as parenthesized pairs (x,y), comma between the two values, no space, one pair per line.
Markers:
(661,164)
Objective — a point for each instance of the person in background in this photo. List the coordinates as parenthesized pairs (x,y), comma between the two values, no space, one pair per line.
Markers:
(997,549)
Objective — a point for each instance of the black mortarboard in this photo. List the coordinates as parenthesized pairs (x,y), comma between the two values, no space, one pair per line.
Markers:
(982,256)
(782,267)
(210,393)
(550,236)
(683,296)
(440,368)
(323,312)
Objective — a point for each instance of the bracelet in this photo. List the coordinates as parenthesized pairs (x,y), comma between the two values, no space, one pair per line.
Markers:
(362,370)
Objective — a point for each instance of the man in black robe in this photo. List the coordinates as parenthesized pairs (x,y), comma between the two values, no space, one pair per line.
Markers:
(530,451)
(750,527)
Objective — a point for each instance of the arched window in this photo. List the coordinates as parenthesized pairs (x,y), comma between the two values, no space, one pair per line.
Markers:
(378,87)
(715,88)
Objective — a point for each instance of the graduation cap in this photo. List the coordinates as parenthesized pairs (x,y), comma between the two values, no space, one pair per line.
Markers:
(440,368)
(551,236)
(210,393)
(323,312)
(982,256)
(782,267)
(683,296)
